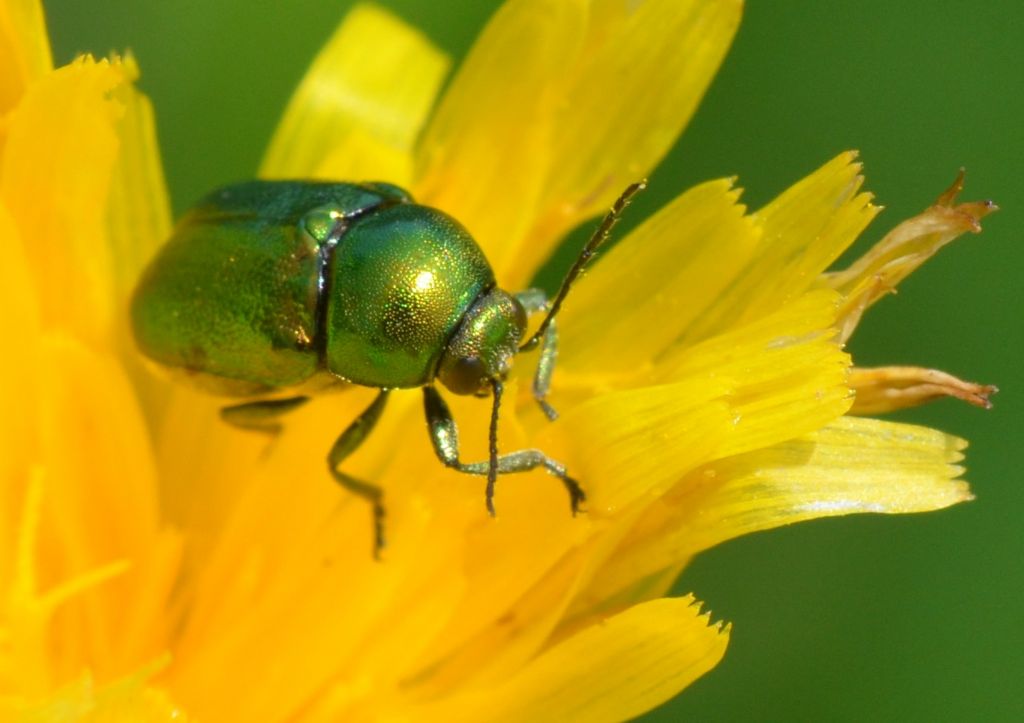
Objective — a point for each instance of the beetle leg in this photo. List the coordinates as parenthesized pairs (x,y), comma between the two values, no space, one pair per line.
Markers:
(445,438)
(535,300)
(348,443)
(545,367)
(261,416)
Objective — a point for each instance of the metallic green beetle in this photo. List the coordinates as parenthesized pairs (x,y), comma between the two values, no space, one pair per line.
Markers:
(274,290)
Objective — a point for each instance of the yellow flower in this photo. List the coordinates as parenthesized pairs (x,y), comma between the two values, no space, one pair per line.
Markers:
(157,565)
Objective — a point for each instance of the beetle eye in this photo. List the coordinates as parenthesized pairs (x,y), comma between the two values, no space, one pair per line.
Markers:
(466,375)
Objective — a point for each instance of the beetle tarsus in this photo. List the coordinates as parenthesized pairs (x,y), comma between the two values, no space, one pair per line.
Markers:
(577,497)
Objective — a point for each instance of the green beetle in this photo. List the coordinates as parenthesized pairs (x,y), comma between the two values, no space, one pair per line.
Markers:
(273,290)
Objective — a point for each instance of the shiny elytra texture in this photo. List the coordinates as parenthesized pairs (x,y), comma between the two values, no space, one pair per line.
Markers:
(254,293)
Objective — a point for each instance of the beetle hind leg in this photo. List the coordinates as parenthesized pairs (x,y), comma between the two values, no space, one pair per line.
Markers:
(261,416)
(347,443)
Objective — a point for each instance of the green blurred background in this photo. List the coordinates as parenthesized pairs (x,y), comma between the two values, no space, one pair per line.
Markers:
(914,618)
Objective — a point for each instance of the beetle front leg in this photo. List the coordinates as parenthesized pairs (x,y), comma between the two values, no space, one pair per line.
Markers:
(533,301)
(348,443)
(445,437)
(262,416)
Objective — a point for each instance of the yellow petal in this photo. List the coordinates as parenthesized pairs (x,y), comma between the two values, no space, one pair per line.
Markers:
(642,295)
(634,661)
(371,85)
(29,655)
(803,231)
(139,219)
(608,593)
(501,646)
(56,187)
(358,155)
(762,383)
(259,573)
(101,501)
(483,157)
(788,373)
(543,127)
(128,699)
(18,378)
(852,465)
(648,437)
(24,49)
(902,250)
(785,376)
(610,130)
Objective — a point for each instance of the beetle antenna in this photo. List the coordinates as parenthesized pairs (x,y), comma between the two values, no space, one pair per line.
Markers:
(589,249)
(492,463)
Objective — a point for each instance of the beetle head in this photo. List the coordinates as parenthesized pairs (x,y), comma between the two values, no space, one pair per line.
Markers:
(482,348)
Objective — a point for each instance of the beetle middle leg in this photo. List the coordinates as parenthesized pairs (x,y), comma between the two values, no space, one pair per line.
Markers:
(445,438)
(261,416)
(348,443)
(534,301)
